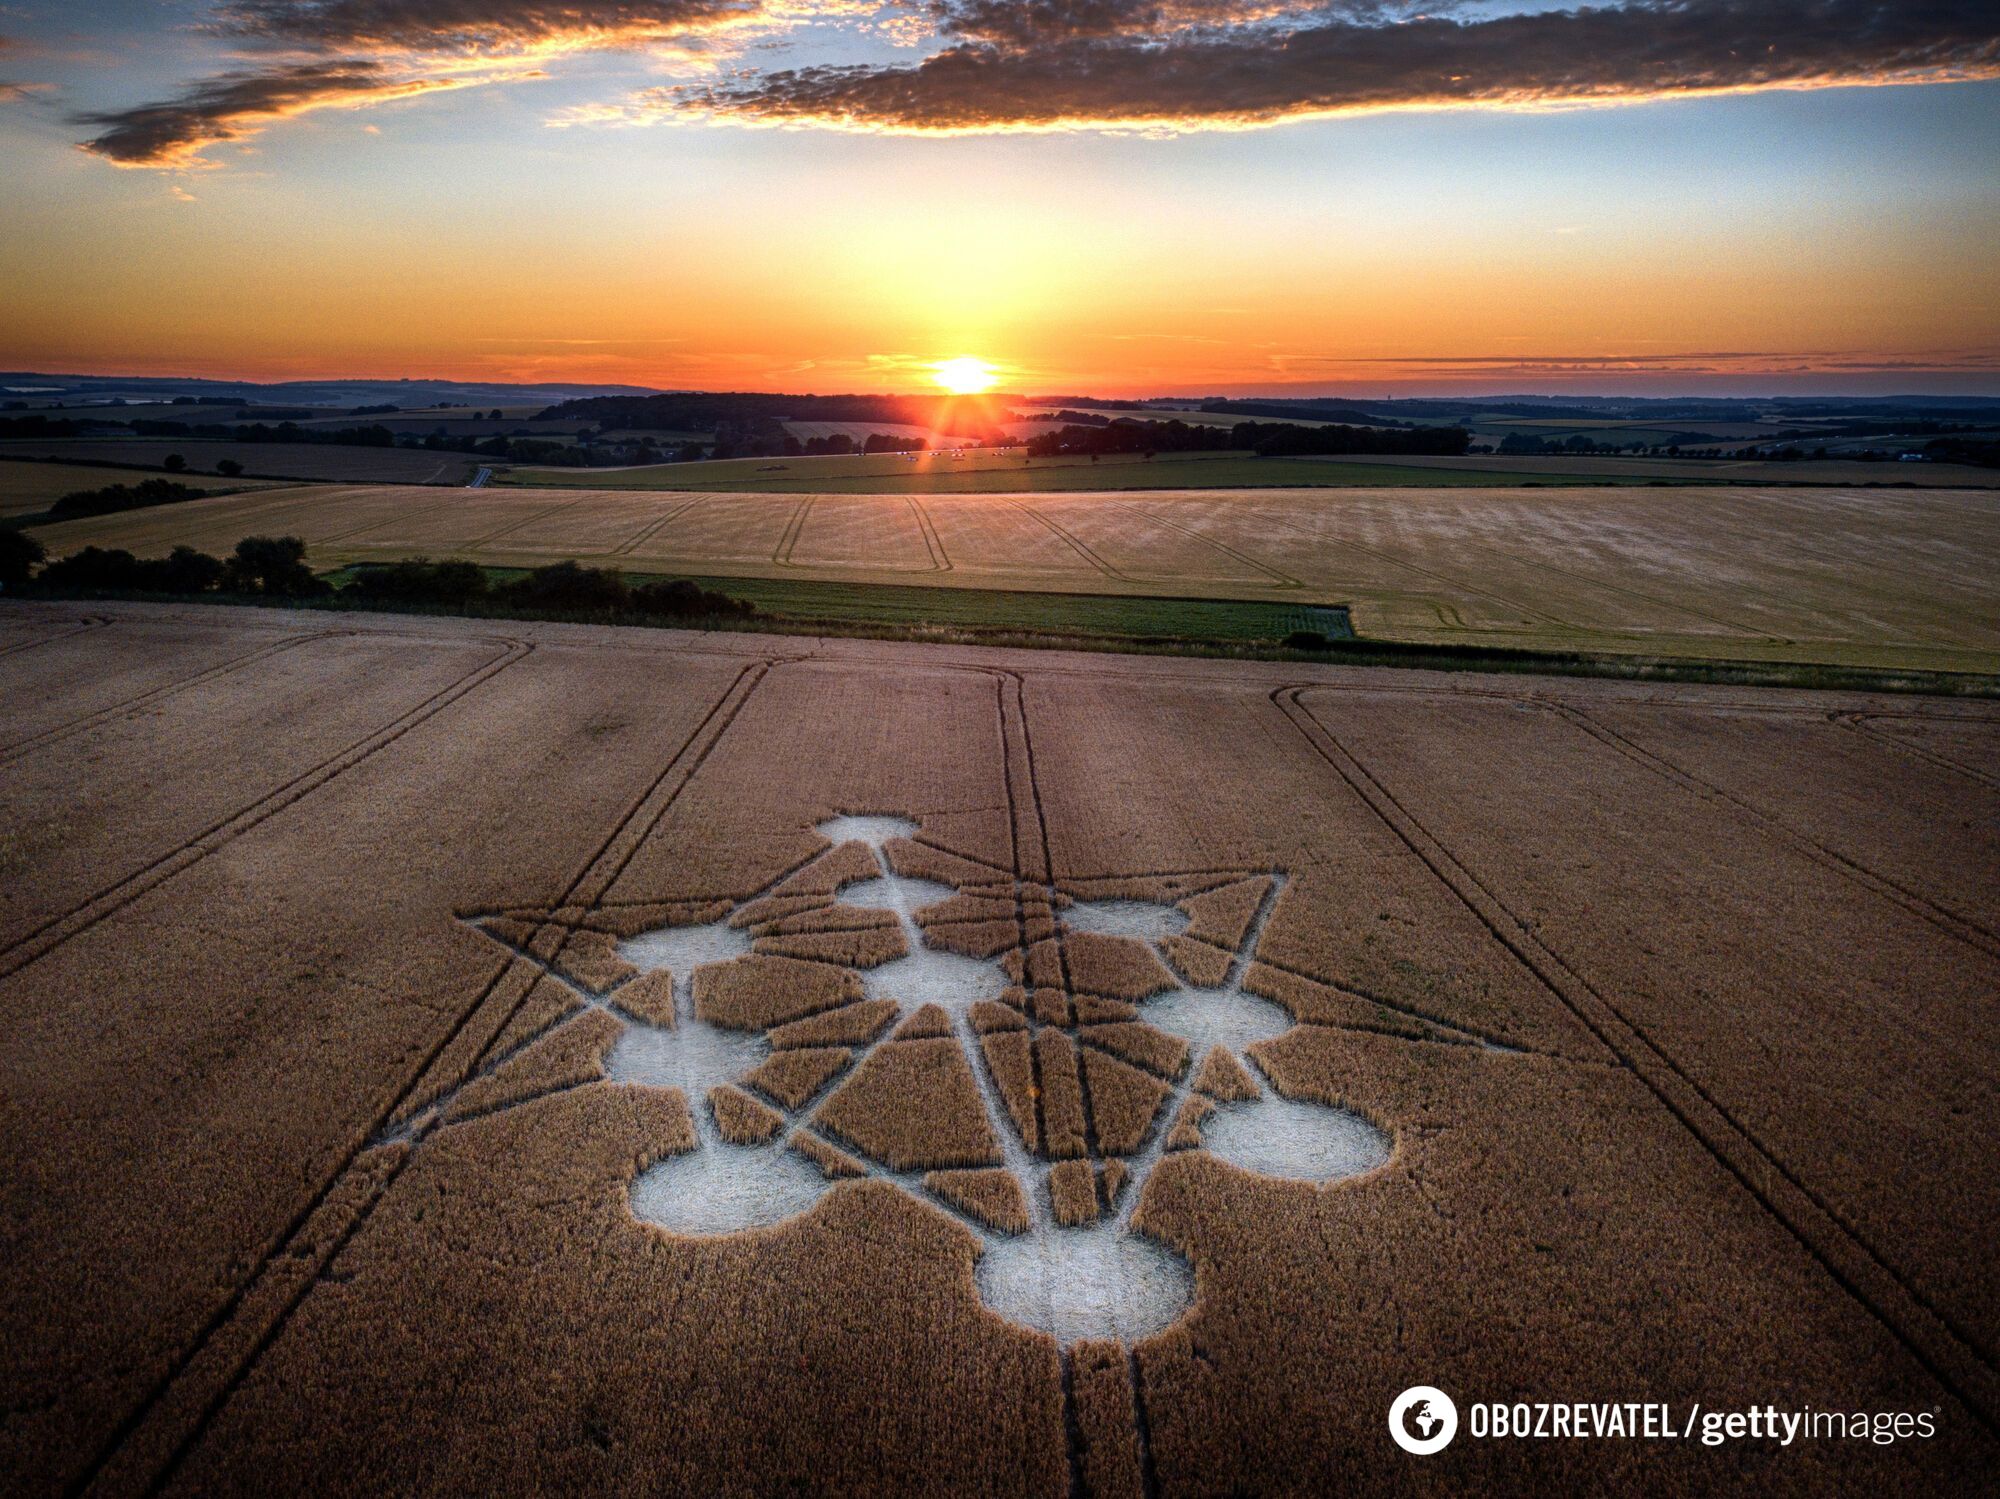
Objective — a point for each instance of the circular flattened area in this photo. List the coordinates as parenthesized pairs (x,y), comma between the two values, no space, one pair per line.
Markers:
(1103,1281)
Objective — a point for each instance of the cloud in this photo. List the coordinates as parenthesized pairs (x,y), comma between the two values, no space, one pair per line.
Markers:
(1052,64)
(12,92)
(480,27)
(354,53)
(1030,23)
(1490,367)
(235,105)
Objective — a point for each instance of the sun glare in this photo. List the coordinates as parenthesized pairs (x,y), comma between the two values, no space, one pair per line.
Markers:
(965,377)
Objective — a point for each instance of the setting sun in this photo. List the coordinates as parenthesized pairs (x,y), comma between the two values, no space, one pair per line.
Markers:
(965,377)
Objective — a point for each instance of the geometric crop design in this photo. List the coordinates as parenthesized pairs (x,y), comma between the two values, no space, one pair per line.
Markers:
(1015,1055)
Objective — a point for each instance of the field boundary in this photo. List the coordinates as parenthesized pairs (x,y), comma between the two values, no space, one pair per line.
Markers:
(1960,1367)
(1358,652)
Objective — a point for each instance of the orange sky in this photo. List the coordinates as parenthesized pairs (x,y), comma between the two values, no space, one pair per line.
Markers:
(1827,234)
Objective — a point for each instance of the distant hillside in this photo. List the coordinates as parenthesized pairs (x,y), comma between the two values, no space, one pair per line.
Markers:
(40,389)
(696,411)
(1307,410)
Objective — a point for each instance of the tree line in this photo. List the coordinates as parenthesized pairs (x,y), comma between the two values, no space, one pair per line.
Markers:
(1266,439)
(274,567)
(706,411)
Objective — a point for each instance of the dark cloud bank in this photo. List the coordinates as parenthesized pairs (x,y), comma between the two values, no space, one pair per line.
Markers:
(1058,62)
(1029,64)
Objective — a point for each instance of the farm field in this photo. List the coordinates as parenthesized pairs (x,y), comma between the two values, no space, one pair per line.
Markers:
(1805,471)
(976,470)
(276,460)
(743,1064)
(1885,578)
(30,488)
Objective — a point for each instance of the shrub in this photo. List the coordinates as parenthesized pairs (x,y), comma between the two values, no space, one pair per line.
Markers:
(680,599)
(566,586)
(421,581)
(229,468)
(93,567)
(20,554)
(184,571)
(175,464)
(272,565)
(1308,640)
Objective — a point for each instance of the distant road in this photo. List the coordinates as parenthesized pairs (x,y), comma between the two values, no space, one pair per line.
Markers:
(481,479)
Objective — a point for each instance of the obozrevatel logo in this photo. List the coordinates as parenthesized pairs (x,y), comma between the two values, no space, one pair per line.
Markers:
(1423,1420)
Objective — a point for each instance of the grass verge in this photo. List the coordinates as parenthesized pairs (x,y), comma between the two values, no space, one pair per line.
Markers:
(1353,652)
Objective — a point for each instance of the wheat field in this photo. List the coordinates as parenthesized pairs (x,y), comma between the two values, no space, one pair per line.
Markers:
(388,1000)
(1895,578)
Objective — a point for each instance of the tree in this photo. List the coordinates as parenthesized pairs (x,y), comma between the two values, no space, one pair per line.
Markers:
(420,580)
(566,586)
(229,468)
(273,565)
(175,464)
(20,554)
(115,497)
(187,571)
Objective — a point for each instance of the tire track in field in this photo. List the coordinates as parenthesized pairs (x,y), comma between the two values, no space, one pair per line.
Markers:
(652,528)
(940,560)
(1954,1360)
(1677,607)
(1284,579)
(1142,1435)
(1076,545)
(12,752)
(1964,928)
(1047,880)
(781,554)
(1322,539)
(1072,1429)
(84,627)
(1857,723)
(1015,814)
(1807,515)
(293,1261)
(250,508)
(424,512)
(115,897)
(513,526)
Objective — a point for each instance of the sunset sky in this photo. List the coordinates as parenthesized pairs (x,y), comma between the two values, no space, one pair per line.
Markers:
(1103,196)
